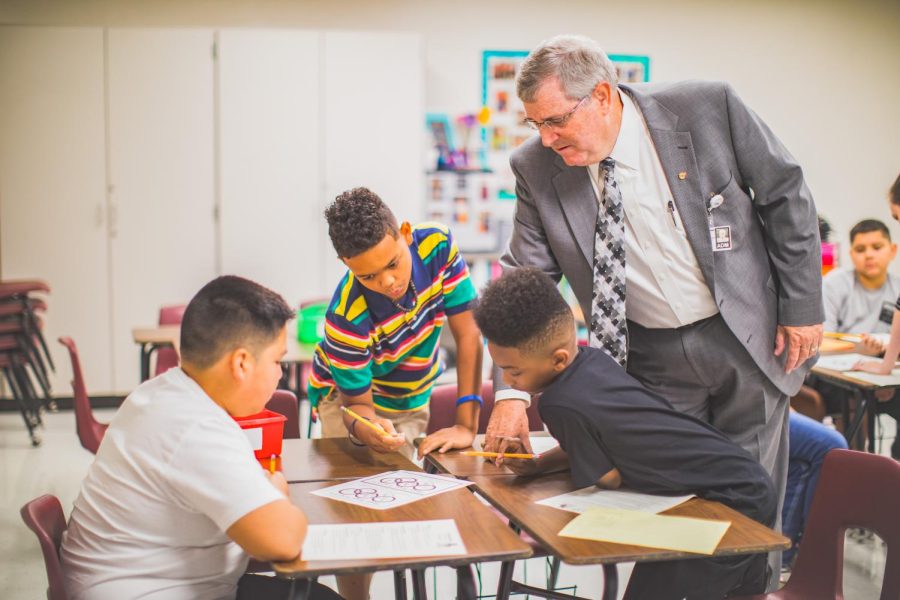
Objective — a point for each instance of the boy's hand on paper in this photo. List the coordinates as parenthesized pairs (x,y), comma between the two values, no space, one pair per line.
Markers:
(277,479)
(447,439)
(872,366)
(870,346)
(377,442)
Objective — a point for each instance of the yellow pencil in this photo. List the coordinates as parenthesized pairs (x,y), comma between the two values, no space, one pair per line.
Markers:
(496,454)
(376,428)
(272,464)
(847,337)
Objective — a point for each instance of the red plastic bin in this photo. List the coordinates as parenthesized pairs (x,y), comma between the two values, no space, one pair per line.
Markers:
(265,431)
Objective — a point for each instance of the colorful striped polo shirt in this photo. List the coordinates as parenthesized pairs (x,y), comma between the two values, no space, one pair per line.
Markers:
(370,343)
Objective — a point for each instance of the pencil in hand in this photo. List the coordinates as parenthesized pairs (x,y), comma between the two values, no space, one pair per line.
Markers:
(498,454)
(373,426)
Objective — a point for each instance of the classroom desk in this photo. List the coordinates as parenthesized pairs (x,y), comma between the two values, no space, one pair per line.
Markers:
(333,459)
(866,406)
(515,497)
(150,339)
(485,536)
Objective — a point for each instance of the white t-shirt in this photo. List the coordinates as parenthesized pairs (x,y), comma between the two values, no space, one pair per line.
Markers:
(851,308)
(173,473)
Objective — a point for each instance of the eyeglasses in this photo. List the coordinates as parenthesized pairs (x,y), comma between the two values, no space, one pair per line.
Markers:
(555,122)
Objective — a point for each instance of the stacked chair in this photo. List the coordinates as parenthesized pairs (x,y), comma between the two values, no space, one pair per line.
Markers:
(25,361)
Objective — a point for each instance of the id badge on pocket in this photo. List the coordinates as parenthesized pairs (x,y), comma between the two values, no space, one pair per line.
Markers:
(721,238)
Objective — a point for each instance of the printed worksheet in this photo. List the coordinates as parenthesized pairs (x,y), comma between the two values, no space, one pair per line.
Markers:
(391,489)
(354,541)
(593,497)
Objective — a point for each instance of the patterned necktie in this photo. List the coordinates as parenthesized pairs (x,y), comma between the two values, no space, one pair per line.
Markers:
(608,327)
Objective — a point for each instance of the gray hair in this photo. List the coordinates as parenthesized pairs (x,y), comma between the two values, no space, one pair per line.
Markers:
(578,62)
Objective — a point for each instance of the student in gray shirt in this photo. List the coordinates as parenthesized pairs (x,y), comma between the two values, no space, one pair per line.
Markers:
(862,300)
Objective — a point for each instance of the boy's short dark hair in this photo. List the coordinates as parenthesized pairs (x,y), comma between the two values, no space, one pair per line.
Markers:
(357,221)
(227,313)
(894,194)
(868,226)
(522,309)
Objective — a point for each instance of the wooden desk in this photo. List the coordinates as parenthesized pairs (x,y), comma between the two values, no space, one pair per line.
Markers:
(333,459)
(457,464)
(485,536)
(866,407)
(515,497)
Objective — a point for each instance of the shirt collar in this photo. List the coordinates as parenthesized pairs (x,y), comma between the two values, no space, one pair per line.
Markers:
(626,152)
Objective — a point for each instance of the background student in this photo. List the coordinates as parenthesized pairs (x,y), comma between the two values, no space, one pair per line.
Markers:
(890,404)
(175,503)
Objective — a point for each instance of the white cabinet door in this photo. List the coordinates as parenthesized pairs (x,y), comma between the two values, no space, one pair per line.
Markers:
(52,187)
(374,120)
(270,159)
(161,146)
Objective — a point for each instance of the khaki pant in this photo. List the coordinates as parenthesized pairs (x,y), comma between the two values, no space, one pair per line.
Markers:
(411,423)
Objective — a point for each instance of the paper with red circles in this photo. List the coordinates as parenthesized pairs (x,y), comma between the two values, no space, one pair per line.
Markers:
(391,489)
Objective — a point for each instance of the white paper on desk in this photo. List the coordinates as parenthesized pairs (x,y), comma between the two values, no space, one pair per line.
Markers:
(399,539)
(841,362)
(592,497)
(391,489)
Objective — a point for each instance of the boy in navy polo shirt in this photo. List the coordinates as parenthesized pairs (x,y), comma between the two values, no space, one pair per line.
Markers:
(614,432)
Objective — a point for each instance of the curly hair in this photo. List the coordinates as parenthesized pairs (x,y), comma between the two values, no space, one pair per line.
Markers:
(522,309)
(357,221)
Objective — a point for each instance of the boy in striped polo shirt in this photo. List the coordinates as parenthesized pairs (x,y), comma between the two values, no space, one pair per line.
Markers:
(380,352)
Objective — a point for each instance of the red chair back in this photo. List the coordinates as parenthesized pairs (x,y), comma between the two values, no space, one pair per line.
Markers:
(443,408)
(284,403)
(855,489)
(44,516)
(90,431)
(166,358)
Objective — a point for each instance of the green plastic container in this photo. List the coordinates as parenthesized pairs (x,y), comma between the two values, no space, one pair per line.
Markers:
(311,323)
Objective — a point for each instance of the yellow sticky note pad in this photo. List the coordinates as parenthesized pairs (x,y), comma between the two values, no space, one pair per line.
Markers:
(700,536)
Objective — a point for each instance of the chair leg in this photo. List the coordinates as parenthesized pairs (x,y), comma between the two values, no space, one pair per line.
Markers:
(504,586)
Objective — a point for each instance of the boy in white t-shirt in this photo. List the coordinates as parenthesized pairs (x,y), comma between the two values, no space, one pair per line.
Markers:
(175,502)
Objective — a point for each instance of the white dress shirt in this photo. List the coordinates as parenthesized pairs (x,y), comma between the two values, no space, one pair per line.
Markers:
(664,285)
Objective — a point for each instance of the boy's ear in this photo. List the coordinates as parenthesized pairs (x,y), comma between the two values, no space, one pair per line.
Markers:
(406,232)
(240,363)
(560,359)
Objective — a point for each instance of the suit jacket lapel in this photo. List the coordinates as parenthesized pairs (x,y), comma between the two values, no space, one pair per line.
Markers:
(579,205)
(676,154)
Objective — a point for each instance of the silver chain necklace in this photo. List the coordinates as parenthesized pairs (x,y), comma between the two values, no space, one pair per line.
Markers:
(402,308)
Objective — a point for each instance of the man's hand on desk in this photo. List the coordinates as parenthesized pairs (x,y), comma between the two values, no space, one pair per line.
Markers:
(447,439)
(509,422)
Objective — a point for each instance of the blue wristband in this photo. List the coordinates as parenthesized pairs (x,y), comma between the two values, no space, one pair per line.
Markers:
(470,398)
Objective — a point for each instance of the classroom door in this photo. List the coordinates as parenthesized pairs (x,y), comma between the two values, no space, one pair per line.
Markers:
(162,176)
(52,187)
(269,145)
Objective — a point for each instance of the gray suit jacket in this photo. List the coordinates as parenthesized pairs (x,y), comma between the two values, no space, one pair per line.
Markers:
(773,273)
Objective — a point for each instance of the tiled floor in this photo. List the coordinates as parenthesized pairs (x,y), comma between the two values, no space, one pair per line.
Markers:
(58,466)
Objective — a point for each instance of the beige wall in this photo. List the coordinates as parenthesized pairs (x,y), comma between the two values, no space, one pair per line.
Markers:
(825,75)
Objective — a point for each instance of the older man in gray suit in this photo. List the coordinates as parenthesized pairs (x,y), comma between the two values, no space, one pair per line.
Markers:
(722,287)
